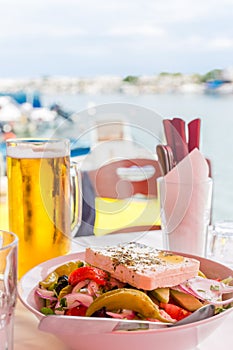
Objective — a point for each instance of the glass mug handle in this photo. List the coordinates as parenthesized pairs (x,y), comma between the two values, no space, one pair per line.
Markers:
(76,197)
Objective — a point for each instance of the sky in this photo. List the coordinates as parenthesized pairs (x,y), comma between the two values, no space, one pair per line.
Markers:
(84,38)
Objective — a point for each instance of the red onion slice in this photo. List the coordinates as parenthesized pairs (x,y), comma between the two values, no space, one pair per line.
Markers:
(125,314)
(207,289)
(45,294)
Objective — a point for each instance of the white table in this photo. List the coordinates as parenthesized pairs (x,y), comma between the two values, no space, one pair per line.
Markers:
(28,337)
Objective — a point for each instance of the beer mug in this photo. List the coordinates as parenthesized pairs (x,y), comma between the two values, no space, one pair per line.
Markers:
(43,198)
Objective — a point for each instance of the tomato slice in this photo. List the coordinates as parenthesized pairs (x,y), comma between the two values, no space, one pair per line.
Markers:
(90,273)
(176,312)
(77,311)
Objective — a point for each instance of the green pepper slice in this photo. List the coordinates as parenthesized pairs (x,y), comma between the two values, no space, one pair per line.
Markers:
(125,298)
(65,269)
(50,281)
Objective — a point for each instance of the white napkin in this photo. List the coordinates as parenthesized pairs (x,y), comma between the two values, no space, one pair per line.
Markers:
(193,168)
(185,197)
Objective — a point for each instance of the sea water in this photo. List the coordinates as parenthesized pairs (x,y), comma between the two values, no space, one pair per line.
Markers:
(216,113)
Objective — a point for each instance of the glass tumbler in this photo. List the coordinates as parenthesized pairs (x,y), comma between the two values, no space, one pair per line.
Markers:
(8,287)
(221,242)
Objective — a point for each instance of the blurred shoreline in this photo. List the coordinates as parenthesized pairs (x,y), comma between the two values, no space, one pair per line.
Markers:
(216,81)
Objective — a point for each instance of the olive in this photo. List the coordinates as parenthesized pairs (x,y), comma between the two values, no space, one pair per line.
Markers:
(62,282)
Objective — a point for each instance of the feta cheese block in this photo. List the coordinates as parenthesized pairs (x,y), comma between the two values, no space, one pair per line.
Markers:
(142,266)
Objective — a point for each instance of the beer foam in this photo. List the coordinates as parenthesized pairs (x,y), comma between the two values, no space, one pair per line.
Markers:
(31,150)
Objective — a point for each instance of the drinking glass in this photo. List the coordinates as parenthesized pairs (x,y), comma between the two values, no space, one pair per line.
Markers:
(3,203)
(221,242)
(8,287)
(185,215)
(39,198)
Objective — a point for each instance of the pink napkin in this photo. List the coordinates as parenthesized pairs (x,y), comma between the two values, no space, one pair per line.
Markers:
(185,197)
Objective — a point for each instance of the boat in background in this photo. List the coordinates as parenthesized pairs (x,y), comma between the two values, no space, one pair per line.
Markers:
(220,86)
(24,115)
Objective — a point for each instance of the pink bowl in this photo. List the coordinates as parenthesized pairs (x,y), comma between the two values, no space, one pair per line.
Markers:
(84,333)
